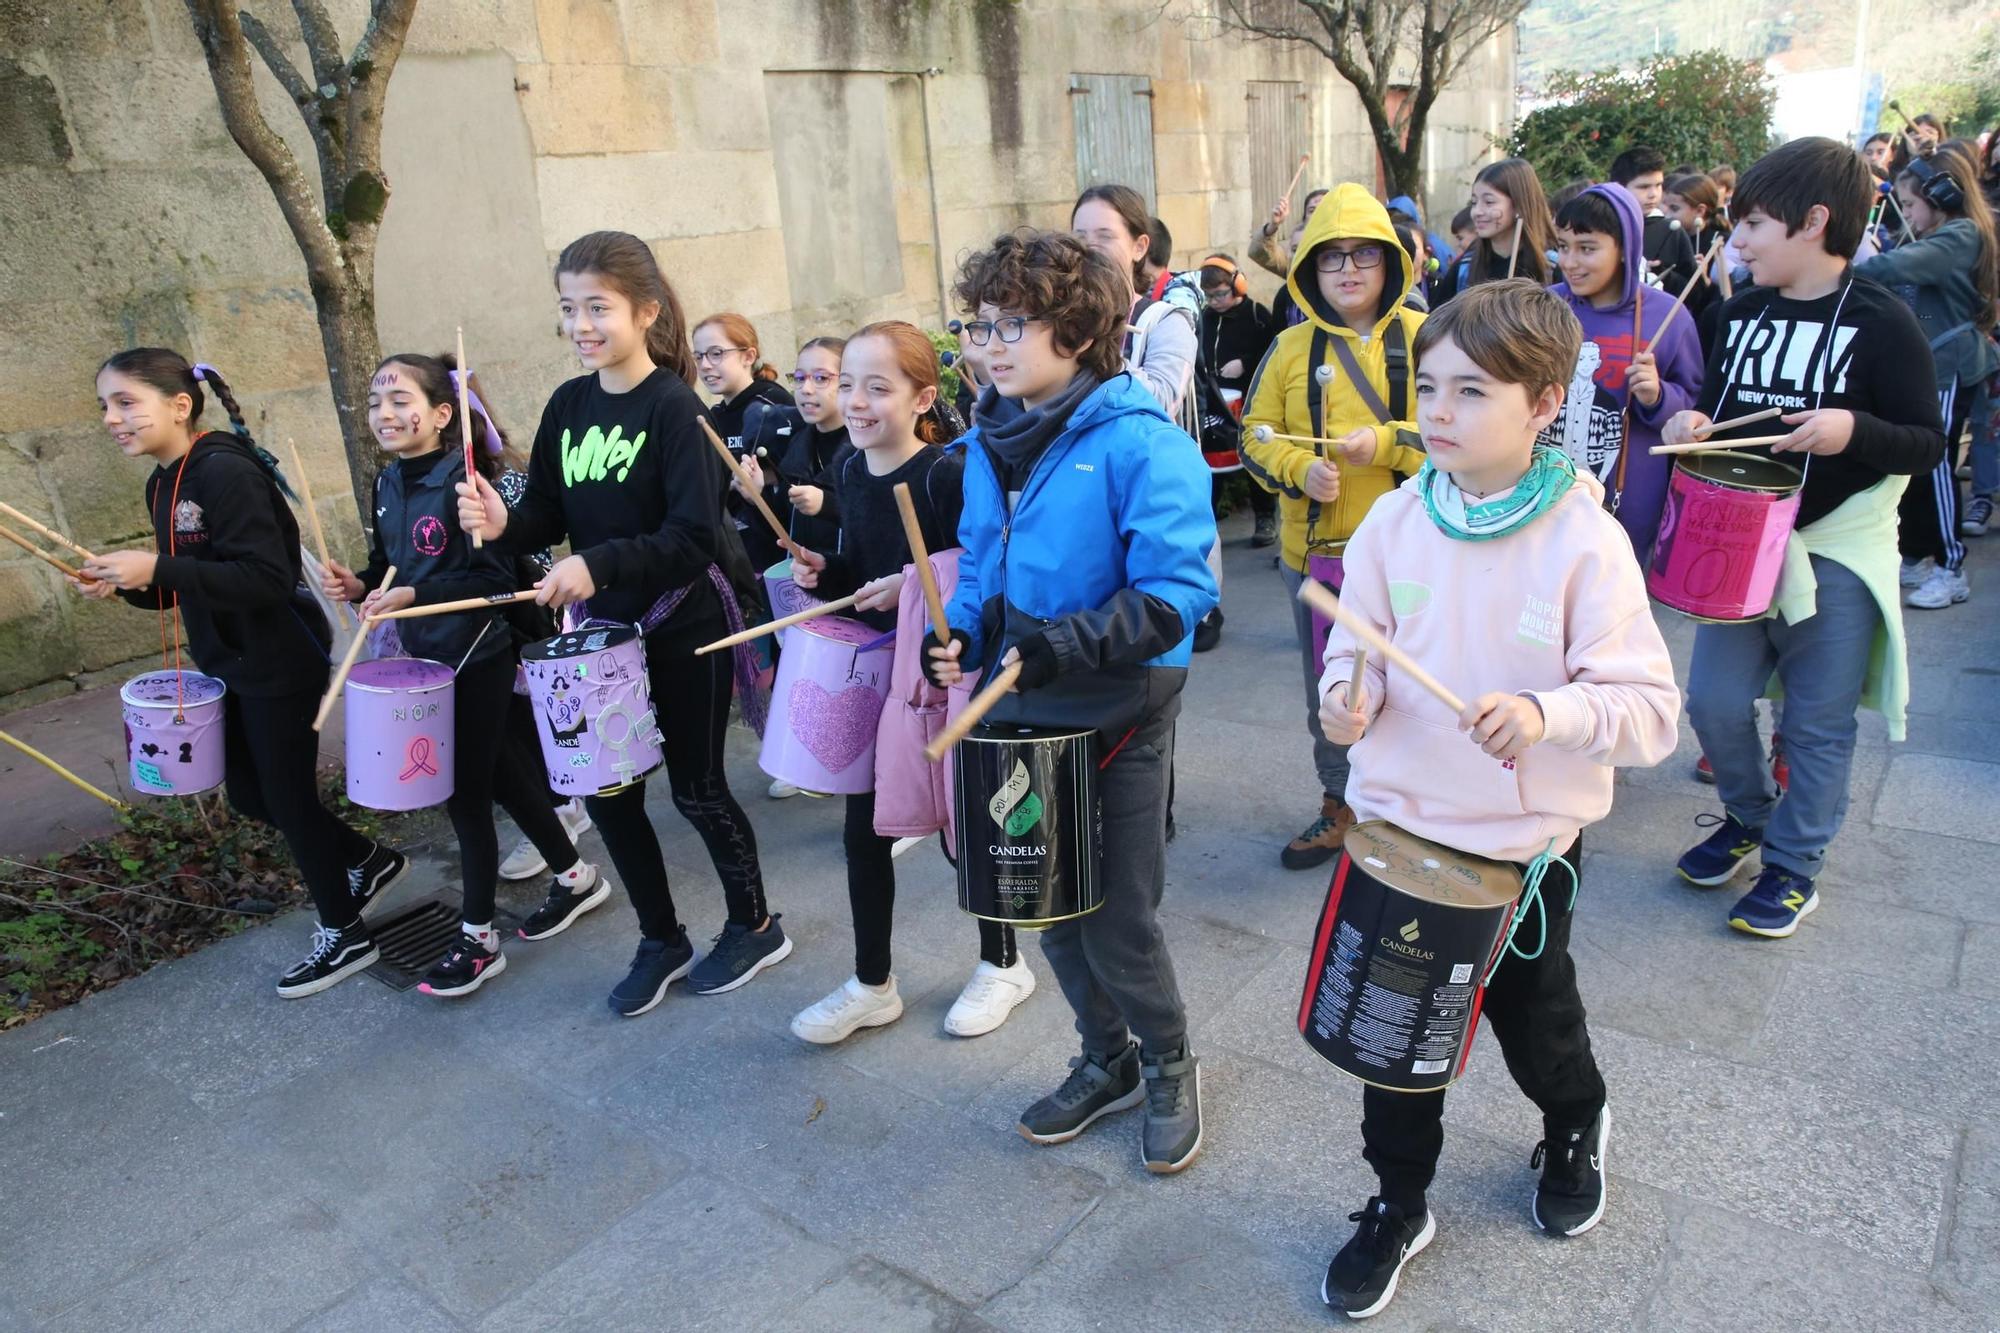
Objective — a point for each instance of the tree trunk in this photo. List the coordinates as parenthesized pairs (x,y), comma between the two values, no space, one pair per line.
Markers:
(346,312)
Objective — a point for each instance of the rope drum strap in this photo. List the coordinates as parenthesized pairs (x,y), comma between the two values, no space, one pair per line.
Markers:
(1531,896)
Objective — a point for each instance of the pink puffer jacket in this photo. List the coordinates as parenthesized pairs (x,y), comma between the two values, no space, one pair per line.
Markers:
(913,795)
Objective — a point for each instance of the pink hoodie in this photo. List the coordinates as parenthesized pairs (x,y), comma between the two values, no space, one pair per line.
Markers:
(1556,611)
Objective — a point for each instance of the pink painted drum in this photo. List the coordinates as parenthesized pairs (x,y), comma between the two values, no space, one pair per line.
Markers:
(1722,535)
(400,739)
(593,709)
(828,698)
(173,732)
(786,597)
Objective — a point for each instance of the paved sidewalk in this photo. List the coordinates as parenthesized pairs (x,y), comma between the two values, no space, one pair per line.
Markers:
(1805,1130)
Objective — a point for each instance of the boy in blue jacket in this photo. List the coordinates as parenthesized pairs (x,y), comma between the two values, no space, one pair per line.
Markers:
(1086,531)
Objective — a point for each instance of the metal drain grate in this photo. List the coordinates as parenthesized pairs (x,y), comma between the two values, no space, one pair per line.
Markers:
(418,936)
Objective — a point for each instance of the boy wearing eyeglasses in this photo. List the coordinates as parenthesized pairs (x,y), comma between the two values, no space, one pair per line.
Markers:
(1340,384)
(1086,531)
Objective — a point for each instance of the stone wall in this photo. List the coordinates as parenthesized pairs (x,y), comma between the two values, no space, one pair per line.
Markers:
(882,140)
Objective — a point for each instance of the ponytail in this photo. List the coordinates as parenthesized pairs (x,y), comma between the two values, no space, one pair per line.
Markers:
(763,370)
(437,380)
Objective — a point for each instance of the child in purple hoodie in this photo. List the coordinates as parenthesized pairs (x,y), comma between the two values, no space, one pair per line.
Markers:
(1619,395)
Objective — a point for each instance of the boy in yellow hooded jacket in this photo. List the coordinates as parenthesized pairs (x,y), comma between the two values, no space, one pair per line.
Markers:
(1339,384)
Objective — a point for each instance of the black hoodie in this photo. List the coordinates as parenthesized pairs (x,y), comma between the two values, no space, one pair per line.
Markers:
(229,555)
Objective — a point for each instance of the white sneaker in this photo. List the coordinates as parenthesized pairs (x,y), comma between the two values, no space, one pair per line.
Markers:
(1944,587)
(525,862)
(1915,572)
(851,1007)
(575,819)
(988,998)
(781,789)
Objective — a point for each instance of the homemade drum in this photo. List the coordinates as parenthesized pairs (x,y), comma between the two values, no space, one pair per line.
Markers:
(173,732)
(400,738)
(1722,535)
(824,707)
(1029,827)
(786,597)
(1399,963)
(593,709)
(1230,459)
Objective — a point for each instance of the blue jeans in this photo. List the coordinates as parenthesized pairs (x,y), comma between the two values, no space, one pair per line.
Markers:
(1821,663)
(1985,443)
(1328,758)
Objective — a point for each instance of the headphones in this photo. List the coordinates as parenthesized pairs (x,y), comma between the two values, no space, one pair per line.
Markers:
(1938,189)
(1237,282)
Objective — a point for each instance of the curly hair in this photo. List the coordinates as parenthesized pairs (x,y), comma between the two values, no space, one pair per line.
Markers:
(1053,276)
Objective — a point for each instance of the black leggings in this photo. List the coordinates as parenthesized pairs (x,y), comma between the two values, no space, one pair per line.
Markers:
(272,756)
(490,765)
(690,697)
(521,721)
(871,895)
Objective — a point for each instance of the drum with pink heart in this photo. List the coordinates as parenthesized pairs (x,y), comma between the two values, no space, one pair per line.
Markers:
(831,684)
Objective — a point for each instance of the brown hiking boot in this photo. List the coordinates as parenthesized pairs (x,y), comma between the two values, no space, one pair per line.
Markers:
(1321,839)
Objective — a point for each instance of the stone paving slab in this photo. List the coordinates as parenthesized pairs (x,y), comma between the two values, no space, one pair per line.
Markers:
(380,1303)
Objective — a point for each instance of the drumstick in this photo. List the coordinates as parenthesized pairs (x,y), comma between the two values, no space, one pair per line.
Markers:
(1265,435)
(312,517)
(43,528)
(1354,683)
(1303,159)
(40,554)
(913,532)
(1733,422)
(1324,602)
(465,420)
(1700,272)
(59,770)
(1716,446)
(347,662)
(751,493)
(773,626)
(977,707)
(1515,257)
(462,604)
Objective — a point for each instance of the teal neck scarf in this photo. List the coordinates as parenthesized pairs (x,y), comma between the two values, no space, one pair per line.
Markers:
(1549,476)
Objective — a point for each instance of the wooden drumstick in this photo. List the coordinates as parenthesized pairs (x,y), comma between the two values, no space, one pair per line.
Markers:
(913,532)
(1354,682)
(1265,434)
(40,554)
(1750,419)
(463,604)
(977,707)
(1319,599)
(465,420)
(1303,159)
(1515,257)
(773,626)
(750,493)
(312,517)
(1716,446)
(347,662)
(59,770)
(1700,272)
(37,525)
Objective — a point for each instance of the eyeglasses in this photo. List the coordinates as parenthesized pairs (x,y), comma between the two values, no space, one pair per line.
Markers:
(979,331)
(1364,256)
(819,379)
(713,356)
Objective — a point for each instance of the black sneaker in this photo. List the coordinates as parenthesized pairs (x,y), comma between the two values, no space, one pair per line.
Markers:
(1208,631)
(384,866)
(565,903)
(1172,1135)
(1094,1089)
(465,967)
(738,954)
(336,955)
(1570,1199)
(657,965)
(1361,1280)
(1265,531)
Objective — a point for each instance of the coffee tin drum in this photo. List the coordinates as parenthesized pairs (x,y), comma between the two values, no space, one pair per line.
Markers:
(1722,535)
(401,738)
(593,709)
(1029,827)
(1399,963)
(173,732)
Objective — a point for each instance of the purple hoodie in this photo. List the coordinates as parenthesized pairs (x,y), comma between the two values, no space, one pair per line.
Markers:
(1594,420)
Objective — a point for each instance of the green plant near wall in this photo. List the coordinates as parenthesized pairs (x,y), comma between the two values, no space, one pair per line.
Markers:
(948,381)
(1705,108)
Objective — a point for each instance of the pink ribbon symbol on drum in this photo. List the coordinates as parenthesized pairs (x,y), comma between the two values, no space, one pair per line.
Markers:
(420,760)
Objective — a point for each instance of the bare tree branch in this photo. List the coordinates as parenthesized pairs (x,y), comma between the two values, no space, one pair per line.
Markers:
(322,45)
(375,56)
(305,98)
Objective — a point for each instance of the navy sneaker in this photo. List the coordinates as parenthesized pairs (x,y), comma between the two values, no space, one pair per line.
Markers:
(657,965)
(1775,905)
(1714,859)
(1362,1278)
(738,954)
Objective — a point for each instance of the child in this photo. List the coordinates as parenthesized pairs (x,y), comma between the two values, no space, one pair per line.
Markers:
(733,369)
(1847,361)
(623,471)
(1497,569)
(1235,331)
(230,568)
(1619,396)
(1669,251)
(1087,532)
(1696,203)
(413,411)
(1950,276)
(823,442)
(1502,192)
(1351,275)
(888,391)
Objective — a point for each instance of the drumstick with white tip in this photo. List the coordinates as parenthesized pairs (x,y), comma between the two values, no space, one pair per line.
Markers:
(312,517)
(773,626)
(1265,435)
(1716,446)
(347,662)
(749,492)
(977,707)
(1324,602)
(463,604)
(913,533)
(1749,419)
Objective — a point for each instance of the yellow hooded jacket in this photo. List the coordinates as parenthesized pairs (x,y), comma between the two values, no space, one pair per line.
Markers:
(1279,392)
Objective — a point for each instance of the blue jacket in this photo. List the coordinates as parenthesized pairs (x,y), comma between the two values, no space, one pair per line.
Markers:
(1106,551)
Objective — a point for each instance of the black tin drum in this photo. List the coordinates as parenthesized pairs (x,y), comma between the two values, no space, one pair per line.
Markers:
(1025,801)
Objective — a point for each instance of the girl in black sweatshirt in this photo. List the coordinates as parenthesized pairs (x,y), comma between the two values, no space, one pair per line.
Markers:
(622,470)
(888,396)
(807,466)
(732,367)
(413,410)
(229,568)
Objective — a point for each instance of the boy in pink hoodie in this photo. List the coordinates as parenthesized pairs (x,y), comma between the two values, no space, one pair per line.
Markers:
(1497,568)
